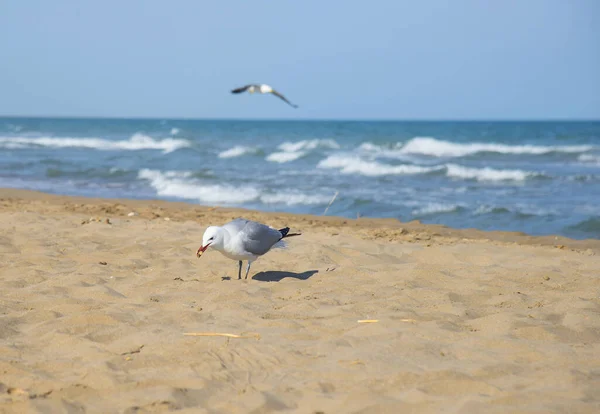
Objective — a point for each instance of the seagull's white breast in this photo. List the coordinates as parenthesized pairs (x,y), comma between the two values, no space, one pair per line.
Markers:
(236,255)
(234,250)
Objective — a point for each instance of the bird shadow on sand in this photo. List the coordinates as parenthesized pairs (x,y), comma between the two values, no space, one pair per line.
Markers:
(278,276)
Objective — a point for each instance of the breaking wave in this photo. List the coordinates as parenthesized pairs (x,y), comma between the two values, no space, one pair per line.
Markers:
(519,210)
(436,208)
(282,157)
(294,199)
(351,164)
(182,184)
(308,144)
(136,142)
(237,151)
(488,174)
(589,158)
(439,148)
(291,151)
(348,164)
(178,184)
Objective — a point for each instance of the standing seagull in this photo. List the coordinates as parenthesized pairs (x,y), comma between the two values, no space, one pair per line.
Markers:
(262,88)
(243,239)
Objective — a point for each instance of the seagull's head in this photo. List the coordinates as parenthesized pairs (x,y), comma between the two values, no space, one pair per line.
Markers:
(213,236)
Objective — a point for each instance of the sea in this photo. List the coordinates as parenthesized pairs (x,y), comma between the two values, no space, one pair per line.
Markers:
(538,178)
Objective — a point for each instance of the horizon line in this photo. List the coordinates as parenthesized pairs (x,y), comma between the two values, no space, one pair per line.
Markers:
(155,118)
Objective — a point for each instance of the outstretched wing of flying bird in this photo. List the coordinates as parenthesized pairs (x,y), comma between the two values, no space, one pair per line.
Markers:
(280,96)
(242,89)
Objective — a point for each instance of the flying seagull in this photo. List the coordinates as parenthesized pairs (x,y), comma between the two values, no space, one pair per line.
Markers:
(262,88)
(243,239)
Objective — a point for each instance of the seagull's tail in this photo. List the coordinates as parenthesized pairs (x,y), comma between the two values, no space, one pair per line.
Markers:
(285,232)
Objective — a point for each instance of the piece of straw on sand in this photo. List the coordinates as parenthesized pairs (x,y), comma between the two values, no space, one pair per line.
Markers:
(331,202)
(227,335)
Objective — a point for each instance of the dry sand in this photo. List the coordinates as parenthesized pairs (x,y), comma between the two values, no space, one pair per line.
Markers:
(93,315)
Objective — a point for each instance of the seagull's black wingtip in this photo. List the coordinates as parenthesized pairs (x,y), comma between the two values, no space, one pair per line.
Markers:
(285,232)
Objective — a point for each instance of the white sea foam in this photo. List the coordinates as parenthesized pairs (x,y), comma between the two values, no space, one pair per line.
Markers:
(136,142)
(484,209)
(147,173)
(385,151)
(177,184)
(439,148)
(294,199)
(487,174)
(181,184)
(237,151)
(370,147)
(351,164)
(308,144)
(282,157)
(589,158)
(12,145)
(435,208)
(115,170)
(291,151)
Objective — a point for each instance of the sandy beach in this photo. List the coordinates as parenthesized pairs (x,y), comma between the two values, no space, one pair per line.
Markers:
(95,302)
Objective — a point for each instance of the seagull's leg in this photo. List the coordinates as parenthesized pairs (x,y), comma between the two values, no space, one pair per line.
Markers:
(240,271)
(248,268)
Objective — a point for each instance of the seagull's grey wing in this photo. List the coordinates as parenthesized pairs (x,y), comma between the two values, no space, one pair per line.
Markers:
(280,96)
(235,226)
(258,238)
(240,90)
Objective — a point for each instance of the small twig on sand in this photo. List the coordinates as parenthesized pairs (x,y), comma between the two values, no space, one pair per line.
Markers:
(331,202)
(228,335)
(134,351)
(368,320)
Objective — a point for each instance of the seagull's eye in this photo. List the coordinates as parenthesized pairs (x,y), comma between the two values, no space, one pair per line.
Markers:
(210,238)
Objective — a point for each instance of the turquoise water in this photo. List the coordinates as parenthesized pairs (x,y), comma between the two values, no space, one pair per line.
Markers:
(535,177)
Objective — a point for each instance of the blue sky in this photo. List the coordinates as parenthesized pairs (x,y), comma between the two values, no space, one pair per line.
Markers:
(342,59)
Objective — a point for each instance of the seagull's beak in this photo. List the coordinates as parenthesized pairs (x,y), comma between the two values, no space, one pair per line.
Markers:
(201,250)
